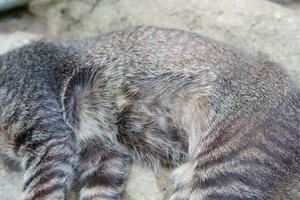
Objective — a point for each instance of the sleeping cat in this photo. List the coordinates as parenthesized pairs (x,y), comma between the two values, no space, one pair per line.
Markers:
(229,124)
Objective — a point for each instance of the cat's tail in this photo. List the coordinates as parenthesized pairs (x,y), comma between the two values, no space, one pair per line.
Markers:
(73,96)
(86,105)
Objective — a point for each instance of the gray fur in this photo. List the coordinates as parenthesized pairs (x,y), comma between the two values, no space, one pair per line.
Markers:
(228,123)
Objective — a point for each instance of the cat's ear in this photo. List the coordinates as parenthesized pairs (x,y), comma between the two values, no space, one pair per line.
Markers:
(74,93)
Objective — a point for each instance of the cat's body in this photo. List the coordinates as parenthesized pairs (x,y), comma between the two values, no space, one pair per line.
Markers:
(229,124)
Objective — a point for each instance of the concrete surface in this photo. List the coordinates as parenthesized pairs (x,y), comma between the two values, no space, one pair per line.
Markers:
(262,28)
(15,40)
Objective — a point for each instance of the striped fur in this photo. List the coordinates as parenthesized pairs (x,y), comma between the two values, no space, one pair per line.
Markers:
(227,123)
(33,132)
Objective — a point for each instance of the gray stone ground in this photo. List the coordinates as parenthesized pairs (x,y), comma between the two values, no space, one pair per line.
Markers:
(262,28)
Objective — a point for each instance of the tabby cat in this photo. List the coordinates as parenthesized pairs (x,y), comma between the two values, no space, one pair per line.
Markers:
(227,122)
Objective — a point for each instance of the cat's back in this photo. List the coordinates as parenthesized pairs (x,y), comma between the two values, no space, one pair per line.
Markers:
(156,51)
(148,54)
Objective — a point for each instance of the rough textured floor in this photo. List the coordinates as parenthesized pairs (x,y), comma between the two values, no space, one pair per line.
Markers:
(262,28)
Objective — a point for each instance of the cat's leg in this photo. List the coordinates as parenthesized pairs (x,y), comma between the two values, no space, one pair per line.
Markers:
(247,171)
(48,158)
(215,182)
(103,172)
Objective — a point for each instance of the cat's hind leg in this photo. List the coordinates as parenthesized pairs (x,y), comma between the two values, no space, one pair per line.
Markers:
(103,172)
(48,158)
